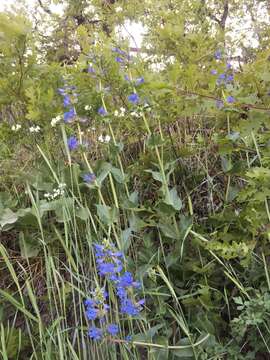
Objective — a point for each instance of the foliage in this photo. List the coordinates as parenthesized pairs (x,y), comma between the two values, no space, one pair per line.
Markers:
(158,155)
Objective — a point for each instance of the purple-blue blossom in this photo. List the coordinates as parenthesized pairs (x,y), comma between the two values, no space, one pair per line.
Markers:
(72,143)
(119,59)
(113,329)
(218,55)
(230,99)
(89,178)
(219,104)
(69,115)
(213,72)
(133,98)
(139,81)
(95,333)
(102,111)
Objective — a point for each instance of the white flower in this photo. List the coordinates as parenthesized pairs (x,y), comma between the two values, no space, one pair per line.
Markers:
(16,127)
(116,113)
(55,120)
(35,129)
(135,114)
(95,17)
(107,138)
(104,139)
(87,107)
(118,9)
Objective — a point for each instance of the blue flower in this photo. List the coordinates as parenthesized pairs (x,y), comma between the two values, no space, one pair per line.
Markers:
(228,66)
(119,59)
(95,333)
(89,302)
(66,100)
(219,104)
(129,308)
(133,98)
(218,55)
(230,99)
(91,69)
(89,178)
(72,143)
(125,280)
(222,76)
(113,329)
(139,81)
(126,77)
(91,313)
(128,338)
(213,72)
(119,51)
(102,111)
(230,78)
(69,115)
(61,91)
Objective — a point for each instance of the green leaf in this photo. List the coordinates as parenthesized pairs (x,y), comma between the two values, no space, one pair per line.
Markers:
(29,246)
(7,217)
(173,199)
(107,214)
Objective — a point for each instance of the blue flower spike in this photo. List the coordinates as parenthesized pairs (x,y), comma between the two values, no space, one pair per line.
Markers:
(73,143)
(133,98)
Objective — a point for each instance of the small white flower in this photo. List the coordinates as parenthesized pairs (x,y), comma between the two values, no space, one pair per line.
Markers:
(95,18)
(116,113)
(16,127)
(55,120)
(35,129)
(118,9)
(135,114)
(100,138)
(107,138)
(87,107)
(104,139)
(123,110)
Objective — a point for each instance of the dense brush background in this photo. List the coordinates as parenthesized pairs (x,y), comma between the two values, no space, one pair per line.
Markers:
(181,188)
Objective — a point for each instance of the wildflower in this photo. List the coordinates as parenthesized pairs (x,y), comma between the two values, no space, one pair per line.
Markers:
(218,55)
(55,120)
(119,59)
(139,81)
(214,72)
(69,115)
(118,9)
(72,143)
(87,107)
(16,127)
(95,333)
(129,308)
(133,98)
(102,111)
(230,99)
(61,91)
(66,101)
(119,51)
(128,338)
(219,104)
(108,260)
(104,139)
(228,66)
(91,313)
(89,178)
(230,78)
(126,77)
(33,129)
(90,68)
(113,329)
